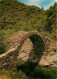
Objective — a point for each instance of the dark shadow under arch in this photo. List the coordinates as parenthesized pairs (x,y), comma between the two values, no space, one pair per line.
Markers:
(38,49)
(11,56)
(38,46)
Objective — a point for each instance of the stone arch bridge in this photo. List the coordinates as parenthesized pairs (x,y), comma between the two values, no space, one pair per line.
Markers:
(16,41)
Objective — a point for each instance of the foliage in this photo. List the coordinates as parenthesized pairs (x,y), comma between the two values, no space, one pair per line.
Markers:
(4,34)
(44,72)
(51,18)
(2,47)
(33,70)
(32,17)
(12,75)
(16,16)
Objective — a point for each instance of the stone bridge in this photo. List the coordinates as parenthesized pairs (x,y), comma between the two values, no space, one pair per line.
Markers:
(9,59)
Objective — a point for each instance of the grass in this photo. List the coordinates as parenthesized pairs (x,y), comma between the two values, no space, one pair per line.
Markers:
(44,72)
(32,70)
(10,74)
(29,70)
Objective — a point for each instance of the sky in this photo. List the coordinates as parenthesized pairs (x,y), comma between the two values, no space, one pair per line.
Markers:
(40,3)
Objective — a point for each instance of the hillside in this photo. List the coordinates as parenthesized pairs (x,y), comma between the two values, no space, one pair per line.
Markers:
(16,19)
(28,48)
(16,16)
(51,20)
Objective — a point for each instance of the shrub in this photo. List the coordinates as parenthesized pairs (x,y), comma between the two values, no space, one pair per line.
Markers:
(44,72)
(2,47)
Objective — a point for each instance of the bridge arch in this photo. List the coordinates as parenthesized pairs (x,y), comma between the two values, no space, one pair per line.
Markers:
(9,59)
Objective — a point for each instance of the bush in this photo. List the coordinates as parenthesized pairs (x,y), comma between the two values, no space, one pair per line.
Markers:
(2,47)
(44,72)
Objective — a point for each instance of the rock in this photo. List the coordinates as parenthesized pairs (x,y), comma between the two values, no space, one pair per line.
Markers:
(22,46)
(49,58)
(25,50)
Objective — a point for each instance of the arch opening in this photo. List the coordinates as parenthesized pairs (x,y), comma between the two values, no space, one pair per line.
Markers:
(38,47)
(35,53)
(34,56)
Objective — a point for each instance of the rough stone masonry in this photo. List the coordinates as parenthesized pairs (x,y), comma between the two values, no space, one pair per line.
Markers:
(8,60)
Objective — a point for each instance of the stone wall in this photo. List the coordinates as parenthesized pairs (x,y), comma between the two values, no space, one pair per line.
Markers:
(8,60)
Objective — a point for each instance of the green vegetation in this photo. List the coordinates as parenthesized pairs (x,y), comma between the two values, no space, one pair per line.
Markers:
(2,47)
(16,16)
(28,70)
(51,19)
(33,70)
(12,75)
(4,34)
(44,72)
